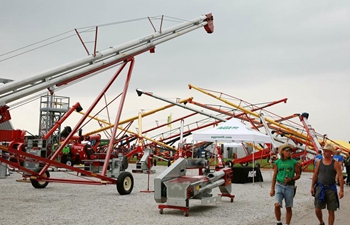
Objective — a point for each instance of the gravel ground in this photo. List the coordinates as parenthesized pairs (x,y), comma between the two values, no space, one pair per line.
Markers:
(59,203)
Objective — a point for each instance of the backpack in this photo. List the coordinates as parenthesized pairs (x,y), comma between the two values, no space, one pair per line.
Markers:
(347,161)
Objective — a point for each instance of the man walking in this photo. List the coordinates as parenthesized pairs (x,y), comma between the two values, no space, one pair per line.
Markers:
(286,172)
(323,185)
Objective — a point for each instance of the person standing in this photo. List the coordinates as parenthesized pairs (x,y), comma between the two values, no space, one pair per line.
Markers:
(323,186)
(285,172)
(339,158)
(318,157)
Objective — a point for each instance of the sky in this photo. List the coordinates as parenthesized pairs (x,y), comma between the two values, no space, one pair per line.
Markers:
(260,51)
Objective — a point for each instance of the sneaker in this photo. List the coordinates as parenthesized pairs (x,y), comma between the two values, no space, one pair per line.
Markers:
(322,224)
(279,224)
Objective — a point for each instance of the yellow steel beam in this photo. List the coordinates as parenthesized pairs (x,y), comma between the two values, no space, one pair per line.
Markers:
(130,119)
(249,112)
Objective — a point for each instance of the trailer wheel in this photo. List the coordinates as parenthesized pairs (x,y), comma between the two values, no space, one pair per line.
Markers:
(67,160)
(229,163)
(40,184)
(125,163)
(169,163)
(154,162)
(125,183)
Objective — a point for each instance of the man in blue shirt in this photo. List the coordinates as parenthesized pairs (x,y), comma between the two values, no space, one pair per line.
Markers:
(340,159)
(318,157)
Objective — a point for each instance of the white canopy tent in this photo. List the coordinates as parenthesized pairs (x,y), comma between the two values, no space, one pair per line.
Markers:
(232,130)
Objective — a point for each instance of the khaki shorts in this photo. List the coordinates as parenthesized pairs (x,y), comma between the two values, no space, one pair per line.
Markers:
(330,200)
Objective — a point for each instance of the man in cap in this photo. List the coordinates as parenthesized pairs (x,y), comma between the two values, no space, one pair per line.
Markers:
(286,172)
(323,185)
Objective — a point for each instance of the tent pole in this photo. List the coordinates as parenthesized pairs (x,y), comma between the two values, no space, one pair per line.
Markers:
(253,161)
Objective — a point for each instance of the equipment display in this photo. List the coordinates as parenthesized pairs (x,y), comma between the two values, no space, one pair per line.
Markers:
(74,151)
(175,188)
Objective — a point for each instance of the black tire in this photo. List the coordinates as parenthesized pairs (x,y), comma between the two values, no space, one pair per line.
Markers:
(169,163)
(38,184)
(229,163)
(244,164)
(154,162)
(125,183)
(67,159)
(125,163)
